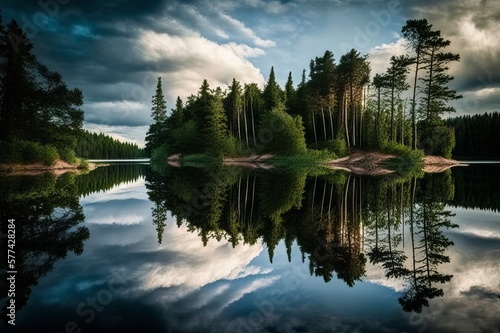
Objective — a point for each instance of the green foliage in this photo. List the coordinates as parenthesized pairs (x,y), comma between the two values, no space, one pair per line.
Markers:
(437,140)
(215,133)
(476,135)
(338,147)
(35,104)
(21,151)
(407,162)
(100,146)
(156,132)
(286,134)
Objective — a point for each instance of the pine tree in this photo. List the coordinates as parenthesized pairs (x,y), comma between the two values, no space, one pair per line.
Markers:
(417,34)
(156,132)
(273,95)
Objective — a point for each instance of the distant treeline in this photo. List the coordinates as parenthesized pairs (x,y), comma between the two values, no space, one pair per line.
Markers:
(93,145)
(476,135)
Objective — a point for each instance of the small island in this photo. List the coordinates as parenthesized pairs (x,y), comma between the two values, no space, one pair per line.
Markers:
(337,116)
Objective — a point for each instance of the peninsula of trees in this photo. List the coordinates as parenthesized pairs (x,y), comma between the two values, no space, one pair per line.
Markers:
(336,107)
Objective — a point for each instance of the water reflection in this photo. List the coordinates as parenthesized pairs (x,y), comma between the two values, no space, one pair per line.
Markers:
(339,221)
(213,273)
(49,220)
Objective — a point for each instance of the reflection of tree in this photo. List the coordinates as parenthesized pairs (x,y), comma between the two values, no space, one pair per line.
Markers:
(336,207)
(105,178)
(333,217)
(47,214)
(428,218)
(477,187)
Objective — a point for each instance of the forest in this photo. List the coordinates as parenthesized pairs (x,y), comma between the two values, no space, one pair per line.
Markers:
(40,117)
(100,146)
(476,135)
(336,108)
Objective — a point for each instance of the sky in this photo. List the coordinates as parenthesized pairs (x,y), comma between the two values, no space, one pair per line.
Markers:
(115,50)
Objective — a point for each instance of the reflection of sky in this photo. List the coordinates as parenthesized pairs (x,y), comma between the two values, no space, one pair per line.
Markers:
(181,286)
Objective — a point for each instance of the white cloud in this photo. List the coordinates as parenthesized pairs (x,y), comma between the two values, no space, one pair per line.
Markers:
(244,51)
(195,58)
(380,56)
(246,32)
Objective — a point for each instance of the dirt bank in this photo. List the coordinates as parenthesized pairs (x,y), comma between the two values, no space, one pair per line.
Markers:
(252,161)
(59,168)
(361,163)
(436,164)
(374,163)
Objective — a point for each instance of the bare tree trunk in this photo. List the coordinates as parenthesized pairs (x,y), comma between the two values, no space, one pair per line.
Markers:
(353,112)
(253,122)
(331,121)
(324,123)
(413,109)
(246,124)
(314,129)
(239,126)
(346,125)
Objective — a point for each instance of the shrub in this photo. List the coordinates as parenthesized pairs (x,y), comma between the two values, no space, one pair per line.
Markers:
(337,146)
(21,151)
(282,133)
(438,140)
(407,161)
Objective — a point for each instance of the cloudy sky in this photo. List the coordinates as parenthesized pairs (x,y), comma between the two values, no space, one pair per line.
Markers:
(115,50)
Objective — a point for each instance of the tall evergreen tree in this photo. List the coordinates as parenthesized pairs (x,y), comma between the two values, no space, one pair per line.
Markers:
(396,84)
(156,132)
(418,34)
(290,95)
(273,95)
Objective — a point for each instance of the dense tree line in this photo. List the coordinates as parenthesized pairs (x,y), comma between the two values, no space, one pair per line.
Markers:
(335,106)
(476,135)
(100,146)
(39,114)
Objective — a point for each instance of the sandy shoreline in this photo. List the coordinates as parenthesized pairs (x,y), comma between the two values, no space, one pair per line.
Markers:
(59,168)
(360,163)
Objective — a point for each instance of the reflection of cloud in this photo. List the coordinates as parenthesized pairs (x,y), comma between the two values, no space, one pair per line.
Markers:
(375,274)
(481,292)
(199,265)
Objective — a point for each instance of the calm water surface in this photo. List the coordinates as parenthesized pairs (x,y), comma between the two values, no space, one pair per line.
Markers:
(124,249)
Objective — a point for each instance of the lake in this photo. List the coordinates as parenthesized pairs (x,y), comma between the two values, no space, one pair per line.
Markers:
(127,249)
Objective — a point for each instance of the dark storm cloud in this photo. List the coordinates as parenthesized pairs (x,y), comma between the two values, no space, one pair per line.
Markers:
(472,27)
